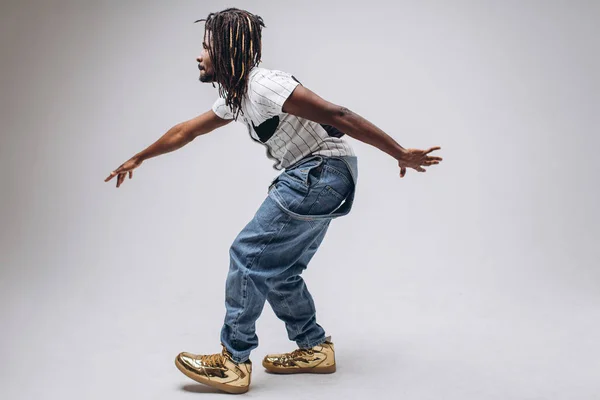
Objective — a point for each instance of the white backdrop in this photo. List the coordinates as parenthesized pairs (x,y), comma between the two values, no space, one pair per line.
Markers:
(476,280)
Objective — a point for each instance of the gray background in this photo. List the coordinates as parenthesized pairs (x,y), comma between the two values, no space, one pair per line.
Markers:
(476,280)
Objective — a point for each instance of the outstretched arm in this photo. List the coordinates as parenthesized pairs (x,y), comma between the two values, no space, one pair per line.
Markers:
(306,104)
(175,138)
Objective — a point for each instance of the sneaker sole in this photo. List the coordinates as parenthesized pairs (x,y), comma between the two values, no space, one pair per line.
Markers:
(208,382)
(305,370)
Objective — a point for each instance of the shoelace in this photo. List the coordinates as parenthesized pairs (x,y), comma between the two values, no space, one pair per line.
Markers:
(297,353)
(213,360)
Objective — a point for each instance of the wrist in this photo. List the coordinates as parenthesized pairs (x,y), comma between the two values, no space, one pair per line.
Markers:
(139,157)
(399,153)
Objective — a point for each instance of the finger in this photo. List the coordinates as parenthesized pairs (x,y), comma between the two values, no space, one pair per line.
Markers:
(420,169)
(120,179)
(432,149)
(130,174)
(112,175)
(402,172)
(431,162)
(434,158)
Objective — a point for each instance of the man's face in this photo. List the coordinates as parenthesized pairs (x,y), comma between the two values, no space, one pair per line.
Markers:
(207,71)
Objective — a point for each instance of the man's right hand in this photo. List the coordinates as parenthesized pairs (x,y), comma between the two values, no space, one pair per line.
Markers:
(127,166)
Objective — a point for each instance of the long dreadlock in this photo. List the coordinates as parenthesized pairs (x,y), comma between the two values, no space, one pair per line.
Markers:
(236,36)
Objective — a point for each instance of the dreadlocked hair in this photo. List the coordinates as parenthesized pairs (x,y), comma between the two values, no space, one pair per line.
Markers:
(236,48)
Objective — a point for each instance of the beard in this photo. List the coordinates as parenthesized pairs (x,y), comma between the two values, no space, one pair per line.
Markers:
(204,77)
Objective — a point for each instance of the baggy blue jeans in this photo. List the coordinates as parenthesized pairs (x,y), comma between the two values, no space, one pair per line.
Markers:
(269,254)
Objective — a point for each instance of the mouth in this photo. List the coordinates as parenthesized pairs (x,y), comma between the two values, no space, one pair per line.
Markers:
(200,67)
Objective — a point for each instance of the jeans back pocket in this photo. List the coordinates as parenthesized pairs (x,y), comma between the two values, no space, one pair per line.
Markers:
(307,172)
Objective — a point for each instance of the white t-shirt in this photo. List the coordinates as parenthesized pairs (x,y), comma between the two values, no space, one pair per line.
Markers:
(287,138)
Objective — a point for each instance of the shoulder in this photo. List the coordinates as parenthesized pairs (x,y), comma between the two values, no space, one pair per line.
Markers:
(261,75)
(268,89)
(221,109)
(272,81)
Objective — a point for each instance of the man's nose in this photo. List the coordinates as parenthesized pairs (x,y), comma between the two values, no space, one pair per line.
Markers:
(198,59)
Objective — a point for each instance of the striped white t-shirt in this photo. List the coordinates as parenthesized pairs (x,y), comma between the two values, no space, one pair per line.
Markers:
(287,138)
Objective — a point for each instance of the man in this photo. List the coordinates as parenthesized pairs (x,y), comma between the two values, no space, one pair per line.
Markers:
(304,135)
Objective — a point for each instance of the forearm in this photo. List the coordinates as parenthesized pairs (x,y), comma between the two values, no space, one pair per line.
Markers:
(173,139)
(359,128)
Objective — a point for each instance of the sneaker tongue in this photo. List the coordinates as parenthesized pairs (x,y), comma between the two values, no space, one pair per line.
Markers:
(226,352)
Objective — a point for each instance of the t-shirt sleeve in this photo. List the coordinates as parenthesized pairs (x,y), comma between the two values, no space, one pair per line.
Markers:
(221,109)
(269,89)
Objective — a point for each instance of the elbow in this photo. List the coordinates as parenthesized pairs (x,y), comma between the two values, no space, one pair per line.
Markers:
(340,117)
(342,111)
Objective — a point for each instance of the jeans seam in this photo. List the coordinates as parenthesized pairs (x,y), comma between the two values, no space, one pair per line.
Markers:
(287,305)
(283,300)
(245,276)
(270,240)
(245,279)
(244,297)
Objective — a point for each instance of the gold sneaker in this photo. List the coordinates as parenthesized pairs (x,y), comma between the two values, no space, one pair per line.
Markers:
(216,370)
(319,359)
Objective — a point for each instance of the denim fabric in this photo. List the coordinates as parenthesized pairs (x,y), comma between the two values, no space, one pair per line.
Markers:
(269,254)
